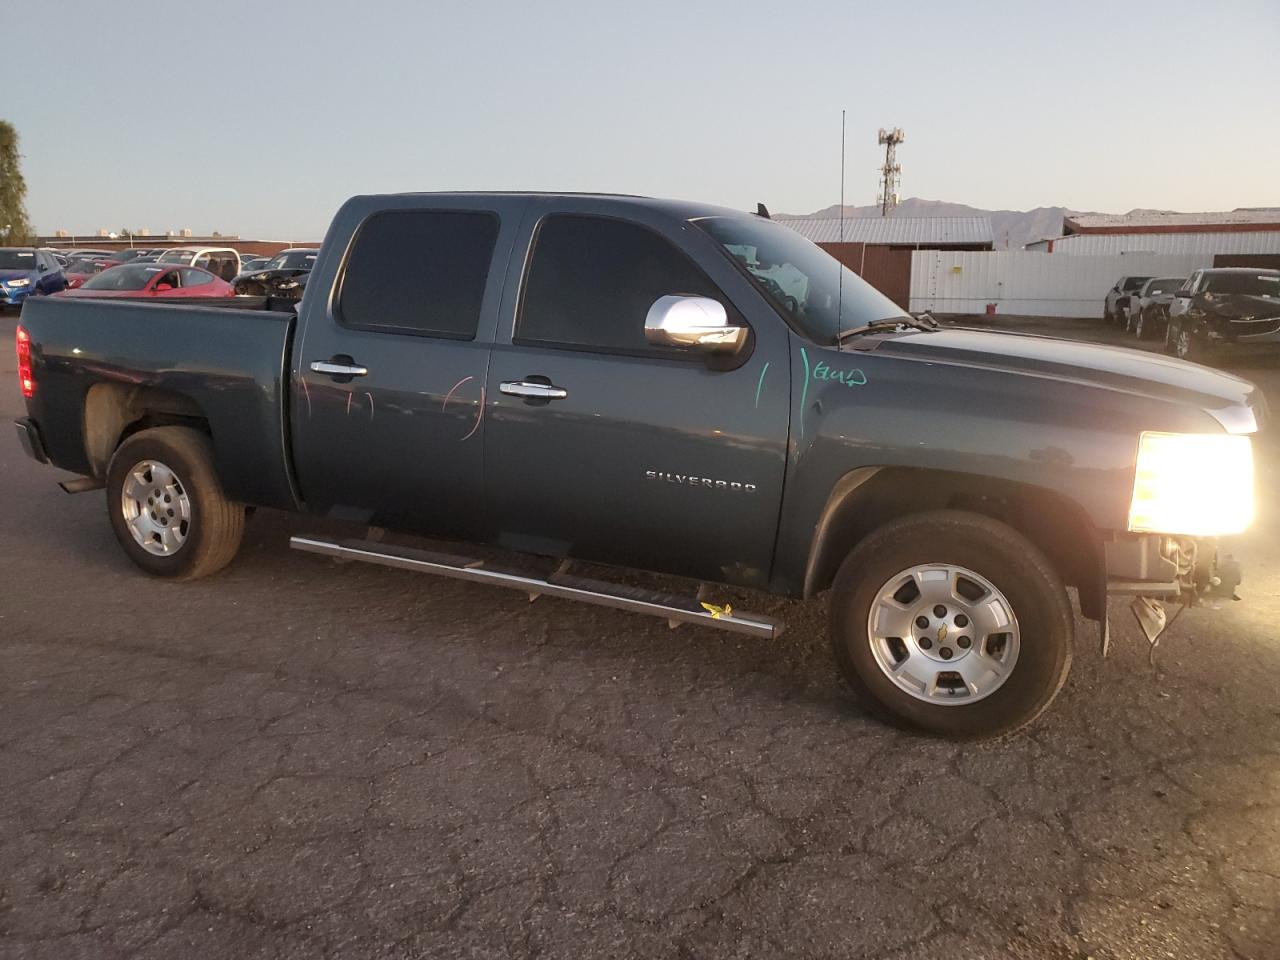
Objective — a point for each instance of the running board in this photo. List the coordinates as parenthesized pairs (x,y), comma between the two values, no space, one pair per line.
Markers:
(632,599)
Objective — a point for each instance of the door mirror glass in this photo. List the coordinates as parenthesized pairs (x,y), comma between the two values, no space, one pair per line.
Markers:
(697,323)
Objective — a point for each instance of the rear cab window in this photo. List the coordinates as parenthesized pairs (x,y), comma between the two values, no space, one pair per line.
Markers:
(418,273)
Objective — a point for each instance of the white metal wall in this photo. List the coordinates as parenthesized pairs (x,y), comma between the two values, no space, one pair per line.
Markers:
(1092,244)
(1031,284)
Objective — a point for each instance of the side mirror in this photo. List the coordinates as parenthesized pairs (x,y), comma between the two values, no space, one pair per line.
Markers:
(162,287)
(697,323)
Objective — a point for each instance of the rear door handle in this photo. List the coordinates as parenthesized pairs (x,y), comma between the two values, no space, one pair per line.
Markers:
(535,391)
(339,367)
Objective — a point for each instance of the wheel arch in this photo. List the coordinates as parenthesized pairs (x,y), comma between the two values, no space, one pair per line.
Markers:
(869,497)
(113,412)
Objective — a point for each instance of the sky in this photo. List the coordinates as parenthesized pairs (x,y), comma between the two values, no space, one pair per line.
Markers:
(260,118)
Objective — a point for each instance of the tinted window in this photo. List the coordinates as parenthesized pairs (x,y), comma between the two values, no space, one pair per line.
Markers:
(194,278)
(1134,283)
(592,281)
(420,272)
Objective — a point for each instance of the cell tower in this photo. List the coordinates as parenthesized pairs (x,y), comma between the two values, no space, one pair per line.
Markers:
(891,172)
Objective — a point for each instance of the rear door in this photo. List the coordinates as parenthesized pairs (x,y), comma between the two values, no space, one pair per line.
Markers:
(652,457)
(389,373)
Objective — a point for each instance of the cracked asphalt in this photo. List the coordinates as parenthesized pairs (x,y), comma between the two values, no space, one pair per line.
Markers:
(300,759)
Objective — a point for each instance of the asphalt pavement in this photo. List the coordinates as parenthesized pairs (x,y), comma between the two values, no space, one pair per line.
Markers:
(301,759)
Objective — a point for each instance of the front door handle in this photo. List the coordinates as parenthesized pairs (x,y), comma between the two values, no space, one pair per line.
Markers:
(535,391)
(339,367)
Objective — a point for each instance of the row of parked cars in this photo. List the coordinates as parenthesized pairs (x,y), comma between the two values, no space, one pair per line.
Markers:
(1194,315)
(171,273)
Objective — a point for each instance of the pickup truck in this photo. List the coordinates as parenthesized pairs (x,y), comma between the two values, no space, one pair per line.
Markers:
(668,387)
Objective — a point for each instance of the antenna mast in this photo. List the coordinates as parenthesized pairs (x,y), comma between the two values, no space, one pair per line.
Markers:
(891,172)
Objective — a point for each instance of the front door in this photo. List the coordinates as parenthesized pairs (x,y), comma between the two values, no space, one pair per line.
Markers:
(642,456)
(389,377)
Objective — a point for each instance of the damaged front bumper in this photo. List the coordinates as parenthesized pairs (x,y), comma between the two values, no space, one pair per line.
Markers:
(1156,569)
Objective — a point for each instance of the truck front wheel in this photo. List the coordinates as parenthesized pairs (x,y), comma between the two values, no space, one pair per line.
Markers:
(167,507)
(952,622)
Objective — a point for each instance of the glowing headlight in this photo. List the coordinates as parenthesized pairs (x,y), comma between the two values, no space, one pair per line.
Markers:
(1200,485)
(20,282)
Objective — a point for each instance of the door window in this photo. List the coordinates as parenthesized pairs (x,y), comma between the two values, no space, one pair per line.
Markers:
(420,272)
(193,278)
(592,280)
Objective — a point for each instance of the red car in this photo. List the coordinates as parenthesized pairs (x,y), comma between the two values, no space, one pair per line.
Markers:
(153,280)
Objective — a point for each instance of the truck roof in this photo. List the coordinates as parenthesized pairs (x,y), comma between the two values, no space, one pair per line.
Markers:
(683,209)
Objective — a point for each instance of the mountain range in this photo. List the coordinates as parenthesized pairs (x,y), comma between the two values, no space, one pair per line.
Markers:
(1012,228)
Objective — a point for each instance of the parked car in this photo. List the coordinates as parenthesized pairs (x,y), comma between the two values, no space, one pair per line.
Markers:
(85,253)
(220,261)
(153,280)
(280,277)
(78,271)
(646,402)
(1117,298)
(57,255)
(1148,309)
(1224,306)
(131,254)
(27,272)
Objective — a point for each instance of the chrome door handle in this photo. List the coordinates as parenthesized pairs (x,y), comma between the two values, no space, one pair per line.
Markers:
(331,369)
(538,391)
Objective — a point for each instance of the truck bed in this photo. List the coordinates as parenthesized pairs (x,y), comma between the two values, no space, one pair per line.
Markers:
(223,364)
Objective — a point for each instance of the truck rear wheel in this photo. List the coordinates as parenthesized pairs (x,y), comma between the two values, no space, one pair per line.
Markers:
(953,623)
(167,507)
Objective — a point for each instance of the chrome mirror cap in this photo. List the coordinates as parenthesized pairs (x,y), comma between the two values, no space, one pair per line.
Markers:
(698,323)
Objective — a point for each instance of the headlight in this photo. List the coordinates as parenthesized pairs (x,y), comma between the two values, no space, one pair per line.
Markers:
(20,282)
(1200,485)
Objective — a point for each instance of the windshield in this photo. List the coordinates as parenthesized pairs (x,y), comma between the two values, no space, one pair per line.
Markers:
(176,256)
(1168,285)
(806,284)
(1134,283)
(128,276)
(293,260)
(83,266)
(17,260)
(1250,284)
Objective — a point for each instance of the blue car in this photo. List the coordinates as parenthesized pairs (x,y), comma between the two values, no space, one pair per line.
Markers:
(25,272)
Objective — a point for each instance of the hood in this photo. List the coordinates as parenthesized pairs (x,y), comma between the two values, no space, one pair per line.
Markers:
(17,274)
(1241,306)
(1116,368)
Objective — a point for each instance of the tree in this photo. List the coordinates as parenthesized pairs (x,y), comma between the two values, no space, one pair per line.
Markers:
(15,228)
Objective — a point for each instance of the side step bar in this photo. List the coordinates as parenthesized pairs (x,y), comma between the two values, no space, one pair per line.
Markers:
(632,599)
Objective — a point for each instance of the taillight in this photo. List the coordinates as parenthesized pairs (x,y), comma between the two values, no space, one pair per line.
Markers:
(25,379)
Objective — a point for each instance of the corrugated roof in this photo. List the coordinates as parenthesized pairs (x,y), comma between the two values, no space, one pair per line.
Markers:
(934,231)
(1150,218)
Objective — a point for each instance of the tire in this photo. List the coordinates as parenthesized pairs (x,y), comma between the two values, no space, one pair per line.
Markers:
(201,528)
(1130,322)
(1036,644)
(1142,326)
(1107,317)
(1170,335)
(1186,344)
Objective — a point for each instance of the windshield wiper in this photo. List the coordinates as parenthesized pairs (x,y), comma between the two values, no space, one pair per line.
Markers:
(924,322)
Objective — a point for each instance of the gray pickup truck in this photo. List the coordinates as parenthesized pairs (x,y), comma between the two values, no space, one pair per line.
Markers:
(668,387)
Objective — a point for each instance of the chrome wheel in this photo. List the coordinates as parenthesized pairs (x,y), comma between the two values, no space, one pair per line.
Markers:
(156,508)
(1182,346)
(943,634)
